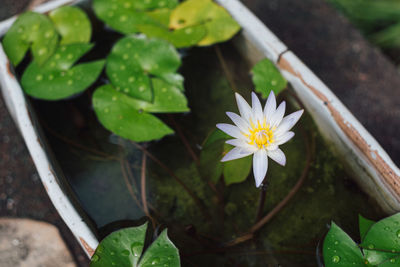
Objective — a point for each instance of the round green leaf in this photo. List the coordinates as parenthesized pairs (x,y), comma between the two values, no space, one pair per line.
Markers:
(30,30)
(266,77)
(125,15)
(72,24)
(122,248)
(161,253)
(133,58)
(186,37)
(382,240)
(364,225)
(119,114)
(161,15)
(236,171)
(220,26)
(57,79)
(340,250)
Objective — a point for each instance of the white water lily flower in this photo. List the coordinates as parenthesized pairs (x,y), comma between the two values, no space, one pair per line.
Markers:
(259,132)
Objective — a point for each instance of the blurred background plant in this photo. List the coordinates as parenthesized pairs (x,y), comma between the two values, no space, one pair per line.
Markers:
(378,20)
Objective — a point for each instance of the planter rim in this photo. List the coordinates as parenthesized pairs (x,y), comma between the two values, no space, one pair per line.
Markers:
(376,172)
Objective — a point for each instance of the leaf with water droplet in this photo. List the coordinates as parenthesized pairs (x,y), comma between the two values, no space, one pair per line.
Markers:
(119,114)
(72,24)
(343,254)
(125,15)
(32,30)
(384,235)
(58,78)
(267,78)
(109,252)
(133,59)
(220,26)
(161,252)
(364,226)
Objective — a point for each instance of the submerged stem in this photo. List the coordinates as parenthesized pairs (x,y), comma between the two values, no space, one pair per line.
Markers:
(143,188)
(126,177)
(225,68)
(261,201)
(177,179)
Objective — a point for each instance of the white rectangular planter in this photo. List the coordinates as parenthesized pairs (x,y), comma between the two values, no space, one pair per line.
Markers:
(364,157)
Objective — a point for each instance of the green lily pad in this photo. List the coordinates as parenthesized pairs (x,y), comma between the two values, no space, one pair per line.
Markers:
(266,77)
(57,79)
(125,15)
(340,250)
(30,30)
(124,248)
(131,61)
(211,167)
(186,37)
(220,26)
(119,114)
(382,241)
(161,15)
(72,24)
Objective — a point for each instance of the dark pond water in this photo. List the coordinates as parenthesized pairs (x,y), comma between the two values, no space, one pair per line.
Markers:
(104,173)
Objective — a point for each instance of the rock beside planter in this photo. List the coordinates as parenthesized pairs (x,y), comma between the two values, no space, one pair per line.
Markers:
(25,242)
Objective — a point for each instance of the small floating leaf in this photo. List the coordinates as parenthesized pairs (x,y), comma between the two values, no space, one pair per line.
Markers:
(30,30)
(121,248)
(131,61)
(220,26)
(72,24)
(266,77)
(161,252)
(125,15)
(340,250)
(57,79)
(119,114)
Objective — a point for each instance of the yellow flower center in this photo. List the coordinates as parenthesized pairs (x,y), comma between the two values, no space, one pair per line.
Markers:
(261,135)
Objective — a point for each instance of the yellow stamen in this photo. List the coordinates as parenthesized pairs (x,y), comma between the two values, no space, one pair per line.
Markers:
(261,135)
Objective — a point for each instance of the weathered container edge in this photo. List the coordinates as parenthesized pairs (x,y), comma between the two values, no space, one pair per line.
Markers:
(374,169)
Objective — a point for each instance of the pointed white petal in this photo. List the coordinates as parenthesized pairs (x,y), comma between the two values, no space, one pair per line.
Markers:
(284,138)
(278,156)
(270,107)
(244,108)
(236,142)
(272,146)
(235,153)
(232,130)
(238,121)
(278,115)
(257,108)
(288,122)
(260,166)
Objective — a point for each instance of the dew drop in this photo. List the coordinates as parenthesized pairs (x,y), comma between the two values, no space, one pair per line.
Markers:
(112,253)
(141,88)
(39,77)
(273,82)
(335,259)
(42,51)
(51,77)
(48,34)
(95,258)
(126,90)
(110,14)
(114,98)
(122,67)
(123,18)
(188,31)
(70,82)
(371,246)
(386,228)
(125,56)
(398,233)
(127,5)
(392,260)
(131,79)
(336,242)
(69,56)
(155,261)
(106,110)
(57,56)
(125,253)
(135,247)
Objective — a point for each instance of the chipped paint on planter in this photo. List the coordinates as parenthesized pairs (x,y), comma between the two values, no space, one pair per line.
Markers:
(365,158)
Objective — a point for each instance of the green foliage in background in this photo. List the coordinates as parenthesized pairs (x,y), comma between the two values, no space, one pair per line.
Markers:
(378,19)
(266,77)
(143,75)
(380,244)
(124,248)
(52,74)
(193,22)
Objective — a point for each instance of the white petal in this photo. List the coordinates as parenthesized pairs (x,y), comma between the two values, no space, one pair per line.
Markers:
(288,122)
(284,138)
(272,146)
(260,166)
(257,108)
(244,108)
(235,153)
(270,107)
(238,121)
(232,130)
(278,114)
(278,156)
